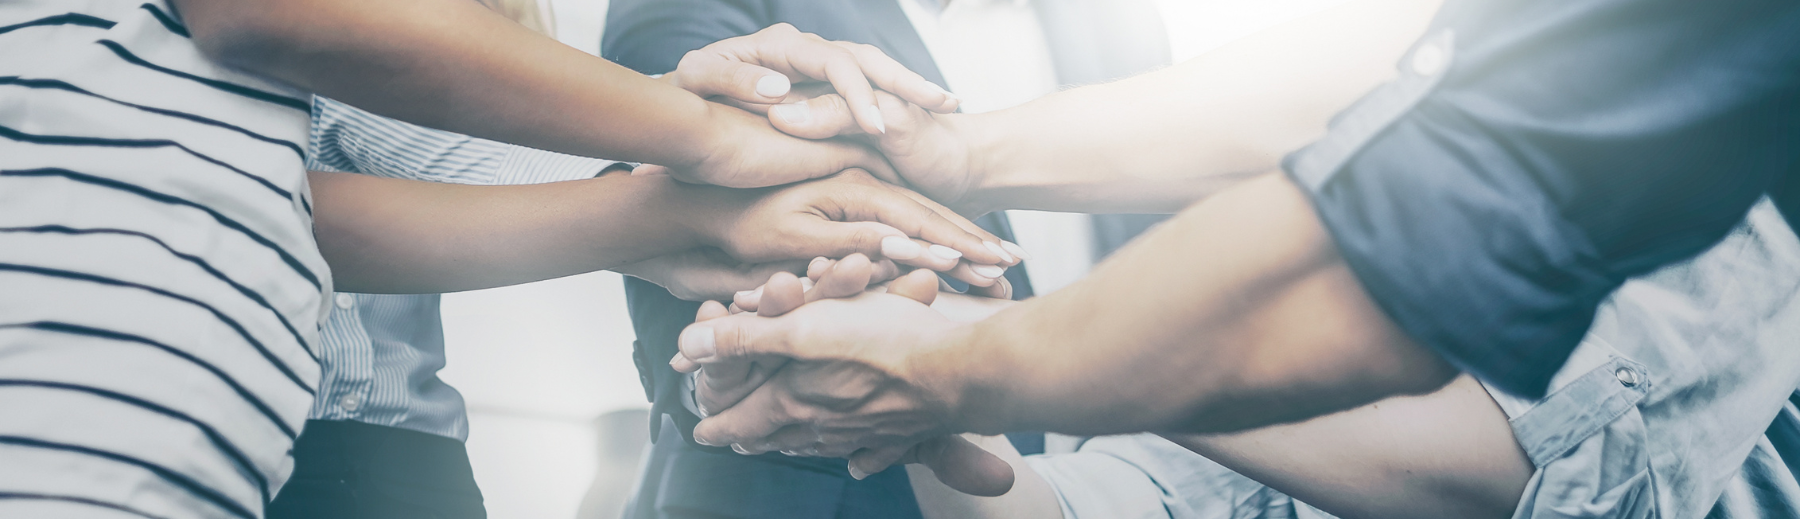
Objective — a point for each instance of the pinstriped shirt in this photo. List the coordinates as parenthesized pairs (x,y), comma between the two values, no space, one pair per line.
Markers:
(381,353)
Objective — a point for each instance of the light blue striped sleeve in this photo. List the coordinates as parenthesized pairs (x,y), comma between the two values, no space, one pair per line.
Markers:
(346,138)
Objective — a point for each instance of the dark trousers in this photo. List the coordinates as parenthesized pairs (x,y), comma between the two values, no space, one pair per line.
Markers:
(353,470)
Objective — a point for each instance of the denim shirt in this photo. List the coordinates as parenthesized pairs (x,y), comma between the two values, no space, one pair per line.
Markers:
(1663,410)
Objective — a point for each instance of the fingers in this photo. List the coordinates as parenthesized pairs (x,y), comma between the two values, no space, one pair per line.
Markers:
(821,117)
(918,285)
(707,73)
(888,75)
(758,415)
(977,275)
(846,278)
(914,219)
(1001,289)
(709,310)
(734,337)
(957,462)
(781,295)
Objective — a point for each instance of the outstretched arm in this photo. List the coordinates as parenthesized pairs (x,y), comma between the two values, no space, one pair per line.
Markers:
(1152,143)
(1450,453)
(400,236)
(1238,313)
(453,65)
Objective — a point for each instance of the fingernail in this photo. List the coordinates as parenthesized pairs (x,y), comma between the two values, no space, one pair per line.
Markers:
(697,343)
(900,248)
(944,252)
(874,115)
(790,453)
(857,473)
(941,90)
(814,264)
(998,251)
(744,293)
(806,284)
(702,441)
(793,113)
(1015,249)
(986,271)
(740,449)
(773,86)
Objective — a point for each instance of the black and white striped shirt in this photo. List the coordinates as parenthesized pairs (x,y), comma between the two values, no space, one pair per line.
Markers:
(160,289)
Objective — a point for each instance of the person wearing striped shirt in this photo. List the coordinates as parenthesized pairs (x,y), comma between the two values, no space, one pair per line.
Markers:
(165,258)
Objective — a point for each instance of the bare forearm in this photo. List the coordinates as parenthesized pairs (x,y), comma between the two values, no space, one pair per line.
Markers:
(1237,313)
(453,65)
(399,236)
(1449,453)
(1160,141)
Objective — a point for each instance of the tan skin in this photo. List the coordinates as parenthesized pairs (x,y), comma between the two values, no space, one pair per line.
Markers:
(451,64)
(1449,453)
(1262,324)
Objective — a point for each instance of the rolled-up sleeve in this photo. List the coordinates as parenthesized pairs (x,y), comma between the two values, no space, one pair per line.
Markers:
(1531,156)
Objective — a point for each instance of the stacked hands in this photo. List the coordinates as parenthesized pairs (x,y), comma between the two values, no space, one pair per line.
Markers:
(843,391)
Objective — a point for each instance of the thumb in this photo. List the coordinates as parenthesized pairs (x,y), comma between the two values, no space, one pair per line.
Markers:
(957,462)
(833,239)
(821,117)
(736,337)
(708,75)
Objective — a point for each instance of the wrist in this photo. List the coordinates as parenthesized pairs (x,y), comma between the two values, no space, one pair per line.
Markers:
(988,152)
(968,376)
(700,132)
(707,214)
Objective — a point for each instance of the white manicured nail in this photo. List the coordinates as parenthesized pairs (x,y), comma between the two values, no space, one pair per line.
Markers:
(988,271)
(806,284)
(874,116)
(944,252)
(858,473)
(793,113)
(1015,249)
(773,86)
(900,248)
(998,251)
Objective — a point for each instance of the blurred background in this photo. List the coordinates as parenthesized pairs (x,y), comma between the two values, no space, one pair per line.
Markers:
(556,415)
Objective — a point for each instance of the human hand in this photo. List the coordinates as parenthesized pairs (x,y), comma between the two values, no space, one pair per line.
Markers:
(929,151)
(759,70)
(979,302)
(706,274)
(751,72)
(959,464)
(848,213)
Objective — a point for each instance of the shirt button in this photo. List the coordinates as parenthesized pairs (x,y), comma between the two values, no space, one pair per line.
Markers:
(1429,60)
(1627,377)
(350,402)
(345,301)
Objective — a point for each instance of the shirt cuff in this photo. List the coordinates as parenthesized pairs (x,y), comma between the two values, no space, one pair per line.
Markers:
(524,165)
(688,398)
